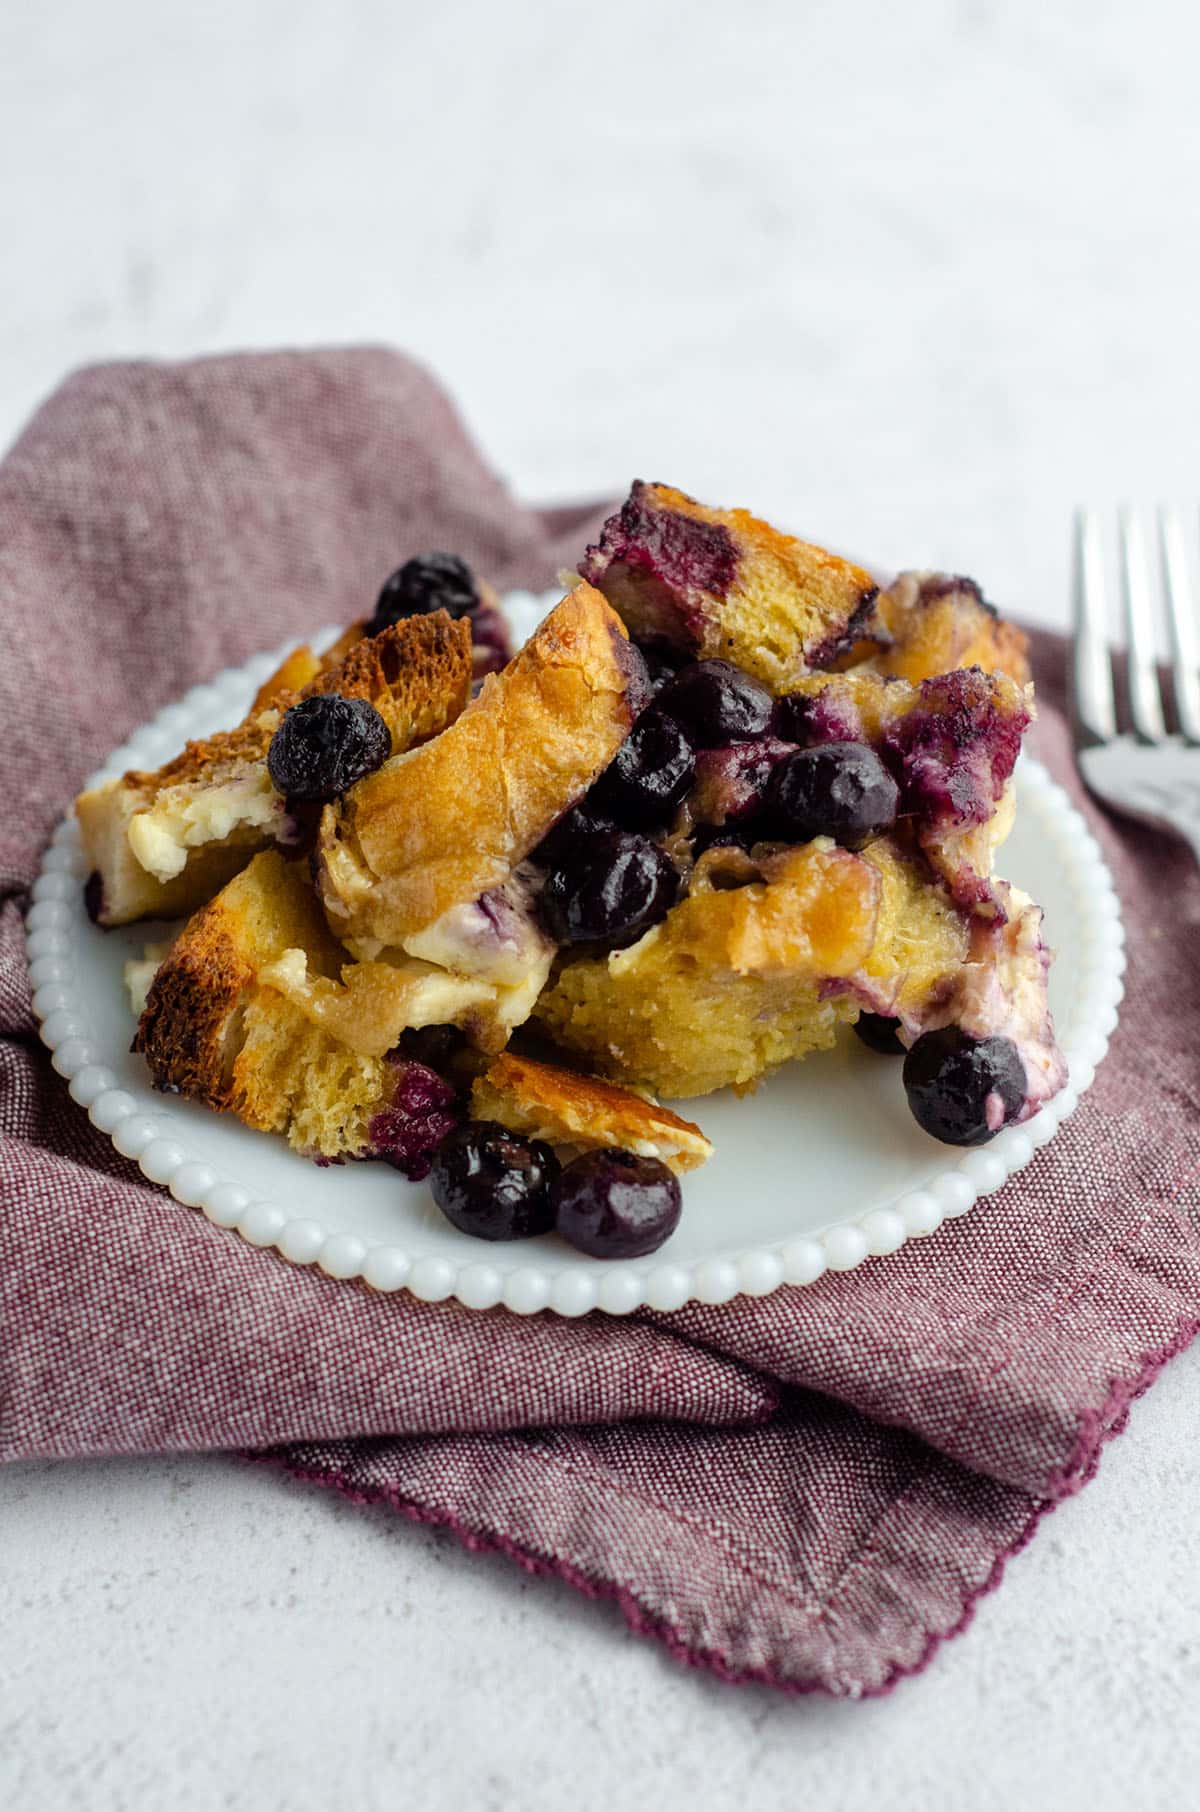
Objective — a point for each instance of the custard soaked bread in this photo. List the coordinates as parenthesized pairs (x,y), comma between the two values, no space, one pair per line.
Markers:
(160,844)
(728,800)
(721,584)
(415,855)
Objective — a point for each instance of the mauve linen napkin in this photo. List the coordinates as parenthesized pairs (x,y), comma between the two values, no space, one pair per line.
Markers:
(811,1489)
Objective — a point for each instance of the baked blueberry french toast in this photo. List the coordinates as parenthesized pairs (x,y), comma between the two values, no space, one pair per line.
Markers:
(728,800)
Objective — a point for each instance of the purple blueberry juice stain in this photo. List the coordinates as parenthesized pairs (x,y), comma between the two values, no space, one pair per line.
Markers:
(935,586)
(730,781)
(491,649)
(683,554)
(954,752)
(839,640)
(807,719)
(423,1109)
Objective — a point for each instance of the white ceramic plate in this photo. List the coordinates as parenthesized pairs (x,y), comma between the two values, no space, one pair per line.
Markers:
(820,1169)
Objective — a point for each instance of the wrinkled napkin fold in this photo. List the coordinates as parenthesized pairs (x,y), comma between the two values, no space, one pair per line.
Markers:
(811,1489)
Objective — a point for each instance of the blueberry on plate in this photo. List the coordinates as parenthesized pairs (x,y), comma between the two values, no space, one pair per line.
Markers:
(962,1089)
(840,790)
(492,1183)
(879,1033)
(612,1204)
(717,703)
(425,583)
(649,774)
(611,891)
(323,745)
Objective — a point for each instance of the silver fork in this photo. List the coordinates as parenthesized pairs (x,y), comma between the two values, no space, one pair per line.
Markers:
(1144,772)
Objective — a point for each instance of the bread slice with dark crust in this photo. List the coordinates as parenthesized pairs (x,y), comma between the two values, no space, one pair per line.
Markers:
(160,843)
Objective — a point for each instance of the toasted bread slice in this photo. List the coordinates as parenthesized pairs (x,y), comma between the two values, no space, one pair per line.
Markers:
(256,1009)
(159,844)
(405,860)
(722,584)
(544,1101)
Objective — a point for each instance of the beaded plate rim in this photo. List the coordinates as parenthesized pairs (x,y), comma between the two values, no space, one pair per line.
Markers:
(579,1285)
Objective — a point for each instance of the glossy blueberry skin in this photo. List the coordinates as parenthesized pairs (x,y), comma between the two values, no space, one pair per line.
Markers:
(325,744)
(717,703)
(566,839)
(426,582)
(723,836)
(879,1033)
(661,668)
(963,1090)
(611,891)
(612,1204)
(840,790)
(648,776)
(492,1183)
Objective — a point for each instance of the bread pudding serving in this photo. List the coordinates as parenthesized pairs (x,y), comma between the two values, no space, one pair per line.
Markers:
(474,916)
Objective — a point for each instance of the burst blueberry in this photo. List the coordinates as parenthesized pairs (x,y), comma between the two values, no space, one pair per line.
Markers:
(610,892)
(565,839)
(717,703)
(840,790)
(324,745)
(492,1183)
(649,774)
(963,1089)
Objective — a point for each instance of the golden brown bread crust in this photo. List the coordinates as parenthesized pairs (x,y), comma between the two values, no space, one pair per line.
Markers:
(416,673)
(214,964)
(192,1002)
(563,1107)
(444,824)
(214,1029)
(928,623)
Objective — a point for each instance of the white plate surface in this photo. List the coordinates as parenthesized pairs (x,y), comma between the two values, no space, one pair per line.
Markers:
(820,1169)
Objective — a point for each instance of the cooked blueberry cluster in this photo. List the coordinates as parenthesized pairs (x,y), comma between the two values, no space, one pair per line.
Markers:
(324,745)
(495,1184)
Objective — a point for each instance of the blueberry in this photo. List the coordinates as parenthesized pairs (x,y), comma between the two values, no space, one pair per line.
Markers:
(963,1089)
(434,1046)
(563,841)
(660,668)
(610,892)
(839,790)
(324,745)
(422,1111)
(878,1033)
(648,775)
(426,582)
(722,836)
(612,1204)
(492,1183)
(717,703)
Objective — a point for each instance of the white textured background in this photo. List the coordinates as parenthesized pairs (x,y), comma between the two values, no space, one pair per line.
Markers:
(915,278)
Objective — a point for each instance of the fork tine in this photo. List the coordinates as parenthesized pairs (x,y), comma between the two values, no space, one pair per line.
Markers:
(1091,673)
(1145,705)
(1185,630)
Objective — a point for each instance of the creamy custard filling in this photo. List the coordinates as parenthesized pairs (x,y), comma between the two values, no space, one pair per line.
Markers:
(182,819)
